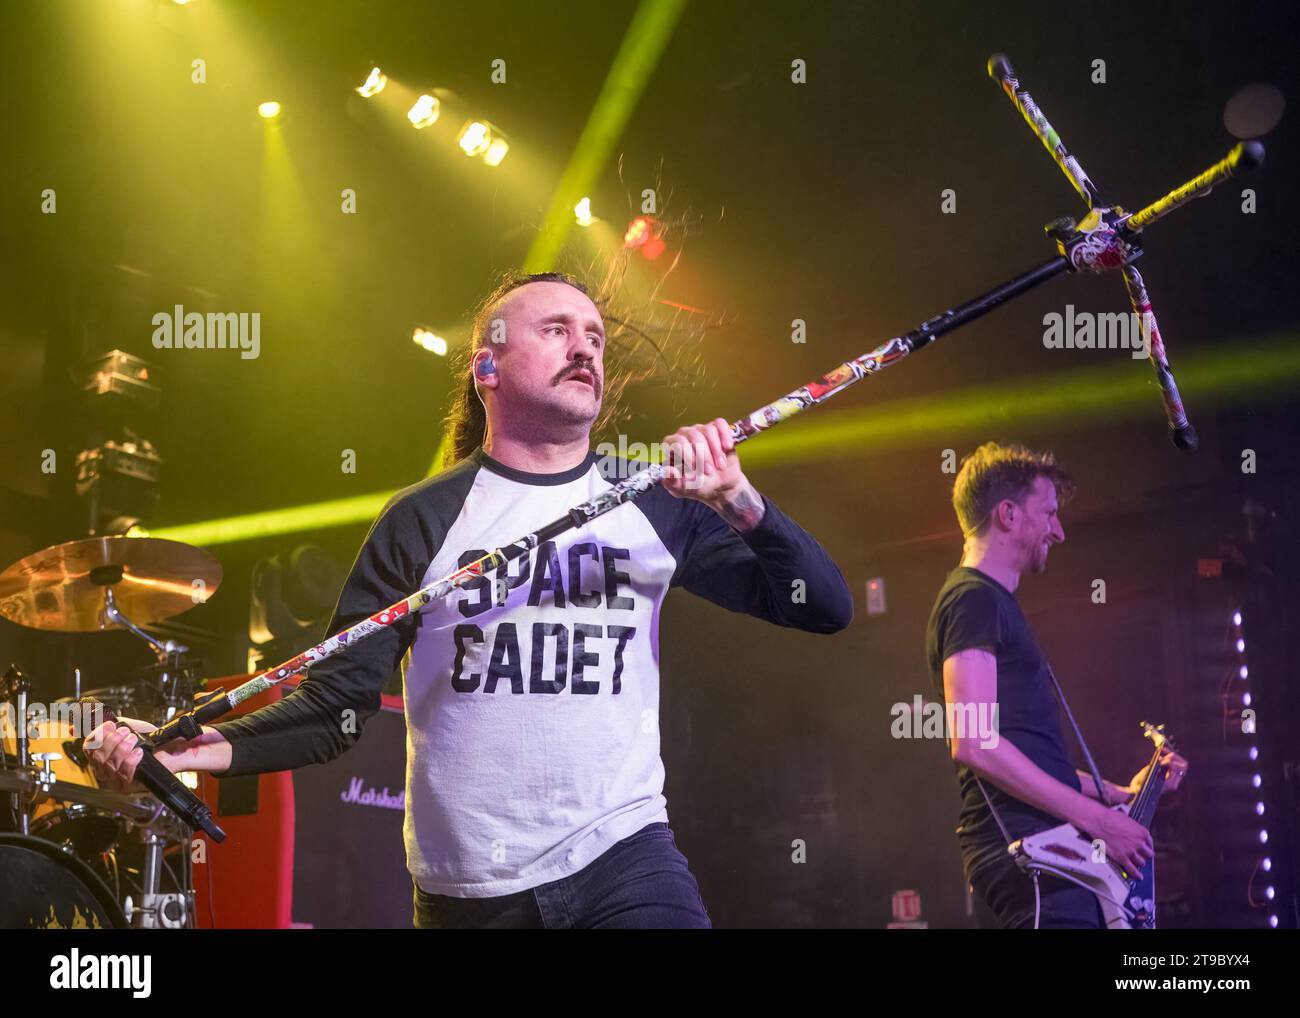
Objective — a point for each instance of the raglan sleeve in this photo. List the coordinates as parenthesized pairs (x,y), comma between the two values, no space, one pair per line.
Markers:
(776,571)
(308,726)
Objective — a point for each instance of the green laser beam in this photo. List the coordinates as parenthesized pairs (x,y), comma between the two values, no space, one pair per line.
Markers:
(1107,390)
(276,522)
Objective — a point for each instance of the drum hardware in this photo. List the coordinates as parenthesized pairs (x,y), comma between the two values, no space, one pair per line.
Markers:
(16,687)
(155,910)
(46,761)
(172,685)
(161,911)
(73,838)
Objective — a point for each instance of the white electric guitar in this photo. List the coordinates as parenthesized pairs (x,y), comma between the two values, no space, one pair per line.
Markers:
(1127,901)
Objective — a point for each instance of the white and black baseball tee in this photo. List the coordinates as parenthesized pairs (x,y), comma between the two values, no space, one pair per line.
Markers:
(532,694)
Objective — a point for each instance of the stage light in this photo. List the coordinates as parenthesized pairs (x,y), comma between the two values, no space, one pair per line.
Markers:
(582,212)
(1243,671)
(1259,809)
(641,235)
(475,137)
(1263,837)
(1266,865)
(1254,753)
(269,110)
(1245,699)
(1241,646)
(1272,921)
(374,83)
(640,230)
(1236,618)
(496,151)
(1256,780)
(431,341)
(424,112)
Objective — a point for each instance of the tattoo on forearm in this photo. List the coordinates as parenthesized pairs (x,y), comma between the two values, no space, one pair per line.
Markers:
(744,511)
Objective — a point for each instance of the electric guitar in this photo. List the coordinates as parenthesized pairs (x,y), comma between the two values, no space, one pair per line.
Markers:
(1128,901)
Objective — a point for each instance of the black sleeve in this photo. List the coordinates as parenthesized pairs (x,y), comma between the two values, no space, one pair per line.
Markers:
(776,571)
(308,726)
(970,619)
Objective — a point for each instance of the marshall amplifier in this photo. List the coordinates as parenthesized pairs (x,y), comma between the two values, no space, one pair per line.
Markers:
(349,861)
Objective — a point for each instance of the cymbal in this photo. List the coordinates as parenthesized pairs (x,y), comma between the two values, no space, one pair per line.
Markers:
(137,806)
(62,588)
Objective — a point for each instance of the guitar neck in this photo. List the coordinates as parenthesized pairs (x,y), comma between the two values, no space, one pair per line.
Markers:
(1143,809)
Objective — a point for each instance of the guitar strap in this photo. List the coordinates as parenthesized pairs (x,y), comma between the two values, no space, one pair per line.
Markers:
(1083,746)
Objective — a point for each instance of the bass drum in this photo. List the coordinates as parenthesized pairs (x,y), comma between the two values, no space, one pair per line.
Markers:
(46,888)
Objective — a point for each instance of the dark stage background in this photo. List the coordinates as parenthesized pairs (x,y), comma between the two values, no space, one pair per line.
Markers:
(818,202)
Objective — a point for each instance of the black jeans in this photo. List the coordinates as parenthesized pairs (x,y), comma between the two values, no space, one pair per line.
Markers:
(642,882)
(1008,893)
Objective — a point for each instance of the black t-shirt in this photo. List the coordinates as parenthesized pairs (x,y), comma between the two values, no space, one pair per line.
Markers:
(974,610)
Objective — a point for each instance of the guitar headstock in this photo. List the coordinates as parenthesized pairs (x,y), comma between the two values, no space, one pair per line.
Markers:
(1158,736)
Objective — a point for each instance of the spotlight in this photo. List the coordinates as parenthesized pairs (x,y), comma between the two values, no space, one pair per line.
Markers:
(269,110)
(582,212)
(475,137)
(496,151)
(374,83)
(640,230)
(424,112)
(480,138)
(431,341)
(641,234)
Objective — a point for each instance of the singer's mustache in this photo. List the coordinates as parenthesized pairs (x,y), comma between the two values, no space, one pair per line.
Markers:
(570,372)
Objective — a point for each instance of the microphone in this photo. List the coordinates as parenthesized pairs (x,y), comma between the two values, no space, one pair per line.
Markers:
(170,790)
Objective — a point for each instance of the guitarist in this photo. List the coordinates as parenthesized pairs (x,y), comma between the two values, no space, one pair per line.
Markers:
(981,652)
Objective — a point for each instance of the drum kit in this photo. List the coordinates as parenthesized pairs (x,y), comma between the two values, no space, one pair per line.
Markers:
(73,854)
